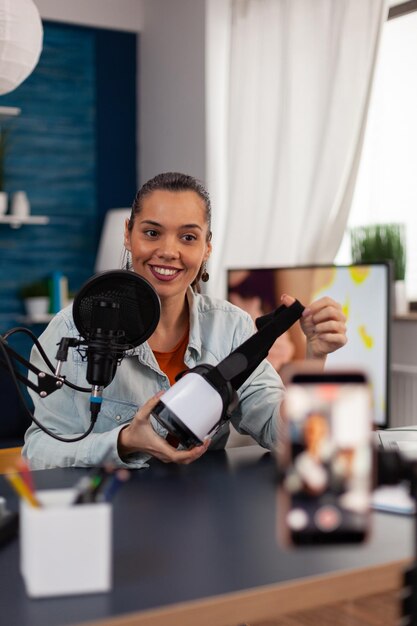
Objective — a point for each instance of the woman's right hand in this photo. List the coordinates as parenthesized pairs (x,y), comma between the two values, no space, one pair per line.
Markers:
(139,436)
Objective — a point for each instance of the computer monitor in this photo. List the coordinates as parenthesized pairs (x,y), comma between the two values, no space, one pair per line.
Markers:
(363,290)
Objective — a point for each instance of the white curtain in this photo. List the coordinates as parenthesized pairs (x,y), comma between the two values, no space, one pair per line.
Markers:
(288,87)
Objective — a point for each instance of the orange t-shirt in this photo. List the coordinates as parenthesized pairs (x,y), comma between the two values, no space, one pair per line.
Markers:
(172,362)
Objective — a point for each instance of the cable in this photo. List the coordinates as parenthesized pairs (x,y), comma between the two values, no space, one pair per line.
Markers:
(8,363)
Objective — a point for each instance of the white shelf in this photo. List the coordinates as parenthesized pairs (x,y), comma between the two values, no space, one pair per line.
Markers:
(17,222)
(7,112)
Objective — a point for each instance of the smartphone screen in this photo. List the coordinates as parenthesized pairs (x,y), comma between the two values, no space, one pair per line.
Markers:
(326,460)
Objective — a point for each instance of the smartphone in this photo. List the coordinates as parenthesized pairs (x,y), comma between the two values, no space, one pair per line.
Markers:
(325,458)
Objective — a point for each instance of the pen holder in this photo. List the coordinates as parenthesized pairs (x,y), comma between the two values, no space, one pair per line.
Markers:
(64,548)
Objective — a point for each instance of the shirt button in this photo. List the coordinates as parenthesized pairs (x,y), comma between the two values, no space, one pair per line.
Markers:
(118,417)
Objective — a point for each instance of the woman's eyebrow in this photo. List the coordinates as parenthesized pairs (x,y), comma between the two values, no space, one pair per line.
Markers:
(150,222)
(191,226)
(153,223)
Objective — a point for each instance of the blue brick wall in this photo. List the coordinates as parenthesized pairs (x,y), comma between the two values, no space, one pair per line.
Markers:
(54,158)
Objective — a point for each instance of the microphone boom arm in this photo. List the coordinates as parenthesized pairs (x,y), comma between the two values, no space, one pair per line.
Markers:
(47,383)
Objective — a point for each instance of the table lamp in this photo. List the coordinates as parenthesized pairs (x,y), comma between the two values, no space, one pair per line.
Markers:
(110,250)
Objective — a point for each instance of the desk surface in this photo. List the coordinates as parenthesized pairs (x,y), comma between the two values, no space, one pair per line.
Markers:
(186,534)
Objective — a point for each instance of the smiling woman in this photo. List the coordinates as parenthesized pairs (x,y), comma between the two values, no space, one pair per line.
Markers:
(185,205)
(168,239)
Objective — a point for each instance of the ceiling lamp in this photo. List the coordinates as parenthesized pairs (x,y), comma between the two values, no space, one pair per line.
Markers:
(21,35)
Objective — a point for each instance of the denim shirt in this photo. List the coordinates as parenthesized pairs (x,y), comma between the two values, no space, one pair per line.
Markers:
(216,328)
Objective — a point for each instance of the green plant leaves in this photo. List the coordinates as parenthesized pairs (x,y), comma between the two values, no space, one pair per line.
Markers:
(380,242)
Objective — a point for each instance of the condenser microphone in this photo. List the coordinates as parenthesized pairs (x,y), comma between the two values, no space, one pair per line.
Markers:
(114,312)
(103,348)
(204,397)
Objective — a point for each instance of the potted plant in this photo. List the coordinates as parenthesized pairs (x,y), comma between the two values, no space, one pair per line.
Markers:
(36,297)
(383,242)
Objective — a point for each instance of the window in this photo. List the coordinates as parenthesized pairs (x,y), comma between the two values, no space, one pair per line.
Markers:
(386,188)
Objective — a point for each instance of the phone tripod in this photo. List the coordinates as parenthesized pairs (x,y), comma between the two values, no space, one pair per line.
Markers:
(393,469)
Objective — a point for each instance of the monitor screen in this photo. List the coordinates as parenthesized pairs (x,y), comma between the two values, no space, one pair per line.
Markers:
(364,292)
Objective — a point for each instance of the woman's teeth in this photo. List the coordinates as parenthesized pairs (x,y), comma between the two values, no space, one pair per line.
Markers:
(164,271)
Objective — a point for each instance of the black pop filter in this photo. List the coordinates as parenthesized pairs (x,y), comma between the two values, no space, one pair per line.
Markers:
(128,303)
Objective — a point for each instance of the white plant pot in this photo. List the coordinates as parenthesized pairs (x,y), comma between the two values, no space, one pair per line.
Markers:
(37,307)
(20,206)
(4,199)
(400,298)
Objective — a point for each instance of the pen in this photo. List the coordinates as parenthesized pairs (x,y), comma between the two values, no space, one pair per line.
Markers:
(21,488)
(24,469)
(88,487)
(97,482)
(118,478)
(81,488)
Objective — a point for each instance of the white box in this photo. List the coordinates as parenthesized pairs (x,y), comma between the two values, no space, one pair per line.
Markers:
(65,549)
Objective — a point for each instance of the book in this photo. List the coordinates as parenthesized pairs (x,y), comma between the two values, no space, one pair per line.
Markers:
(393,499)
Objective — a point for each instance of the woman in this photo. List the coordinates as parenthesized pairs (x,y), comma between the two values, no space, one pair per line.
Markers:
(168,240)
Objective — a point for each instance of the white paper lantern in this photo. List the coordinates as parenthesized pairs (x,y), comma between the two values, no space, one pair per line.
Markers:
(21,36)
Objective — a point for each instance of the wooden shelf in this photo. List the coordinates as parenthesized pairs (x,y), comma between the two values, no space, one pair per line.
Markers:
(408,317)
(16,222)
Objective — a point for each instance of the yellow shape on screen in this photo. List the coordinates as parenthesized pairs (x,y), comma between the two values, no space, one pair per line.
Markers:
(346,308)
(359,273)
(367,340)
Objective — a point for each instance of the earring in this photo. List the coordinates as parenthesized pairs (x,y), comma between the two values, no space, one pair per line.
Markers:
(205,275)
(128,260)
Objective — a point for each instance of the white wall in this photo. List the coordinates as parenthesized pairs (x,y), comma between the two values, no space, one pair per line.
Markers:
(404,374)
(116,14)
(124,15)
(171,64)
(172,88)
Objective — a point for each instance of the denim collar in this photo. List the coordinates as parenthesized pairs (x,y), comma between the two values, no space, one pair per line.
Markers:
(144,352)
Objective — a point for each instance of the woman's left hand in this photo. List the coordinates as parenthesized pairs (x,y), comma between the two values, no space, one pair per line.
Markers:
(324,326)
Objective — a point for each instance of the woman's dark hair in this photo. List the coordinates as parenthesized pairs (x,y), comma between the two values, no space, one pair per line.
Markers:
(173,181)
